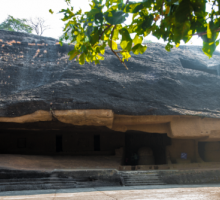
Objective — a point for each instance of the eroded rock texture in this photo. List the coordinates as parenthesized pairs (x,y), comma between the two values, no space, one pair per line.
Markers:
(35,74)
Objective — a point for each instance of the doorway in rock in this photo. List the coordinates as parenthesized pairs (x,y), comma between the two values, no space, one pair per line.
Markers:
(201,150)
(59,143)
(145,148)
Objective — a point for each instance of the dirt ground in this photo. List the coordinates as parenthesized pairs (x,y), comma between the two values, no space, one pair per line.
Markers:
(181,192)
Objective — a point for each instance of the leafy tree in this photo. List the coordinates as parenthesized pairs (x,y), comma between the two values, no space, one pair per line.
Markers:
(171,20)
(18,25)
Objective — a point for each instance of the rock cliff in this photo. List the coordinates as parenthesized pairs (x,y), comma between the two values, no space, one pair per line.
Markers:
(35,74)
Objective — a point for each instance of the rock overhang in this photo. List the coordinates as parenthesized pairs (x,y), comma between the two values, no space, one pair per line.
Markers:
(175,126)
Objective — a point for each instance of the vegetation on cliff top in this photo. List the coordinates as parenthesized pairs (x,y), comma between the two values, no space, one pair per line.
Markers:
(16,24)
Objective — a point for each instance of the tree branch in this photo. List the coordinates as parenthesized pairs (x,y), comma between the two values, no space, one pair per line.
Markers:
(205,32)
(162,8)
(114,51)
(104,31)
(38,25)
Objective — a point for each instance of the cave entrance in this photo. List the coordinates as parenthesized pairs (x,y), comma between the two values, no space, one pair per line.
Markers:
(56,145)
(59,143)
(96,142)
(145,148)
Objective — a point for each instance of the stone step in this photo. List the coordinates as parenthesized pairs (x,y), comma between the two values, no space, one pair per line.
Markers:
(36,187)
(39,182)
(139,175)
(152,177)
(144,184)
(141,178)
(139,172)
(142,181)
(39,179)
(46,184)
(45,178)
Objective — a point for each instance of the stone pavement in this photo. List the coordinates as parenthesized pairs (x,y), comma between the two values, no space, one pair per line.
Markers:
(165,192)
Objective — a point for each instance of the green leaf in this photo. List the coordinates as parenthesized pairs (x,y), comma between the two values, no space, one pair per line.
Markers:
(125,55)
(168,46)
(135,15)
(112,45)
(115,34)
(98,18)
(99,57)
(80,37)
(217,42)
(94,37)
(82,59)
(102,48)
(67,1)
(107,3)
(138,48)
(126,42)
(183,11)
(125,34)
(134,7)
(92,12)
(209,32)
(137,39)
(115,17)
(120,6)
(73,54)
(147,22)
(89,30)
(51,11)
(209,49)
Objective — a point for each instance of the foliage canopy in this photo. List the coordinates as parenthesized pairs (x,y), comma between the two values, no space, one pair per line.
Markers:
(18,25)
(171,20)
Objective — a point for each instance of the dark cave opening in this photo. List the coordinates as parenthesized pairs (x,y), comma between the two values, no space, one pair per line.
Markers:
(154,142)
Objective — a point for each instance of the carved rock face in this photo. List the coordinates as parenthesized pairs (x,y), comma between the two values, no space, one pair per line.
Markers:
(35,74)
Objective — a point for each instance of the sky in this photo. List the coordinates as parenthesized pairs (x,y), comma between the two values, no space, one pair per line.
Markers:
(40,8)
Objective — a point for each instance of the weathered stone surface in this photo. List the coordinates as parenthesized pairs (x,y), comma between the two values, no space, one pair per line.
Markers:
(35,74)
